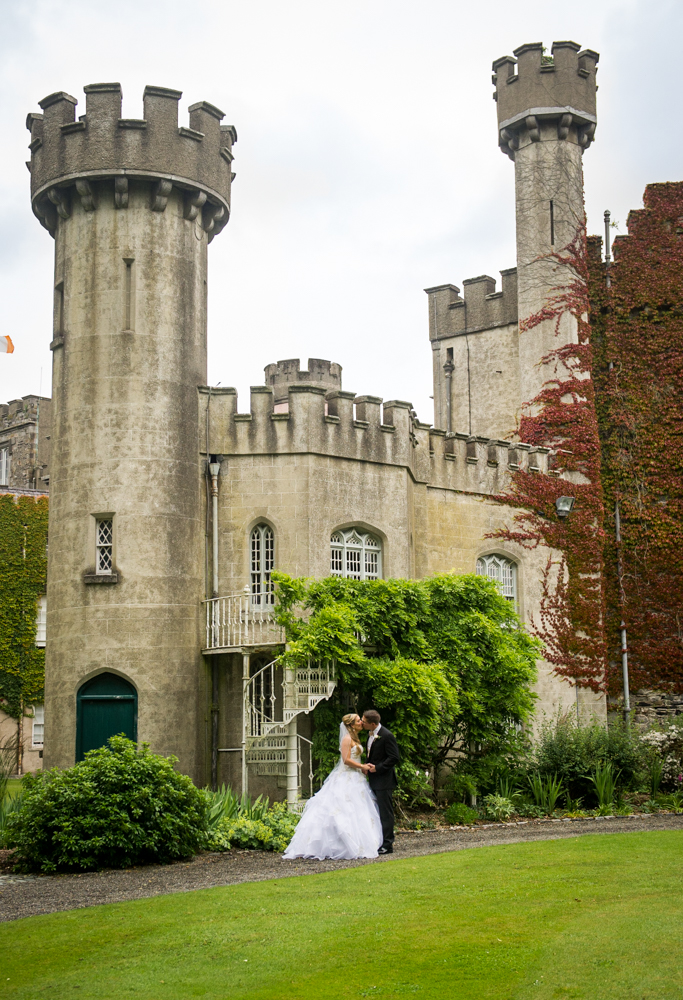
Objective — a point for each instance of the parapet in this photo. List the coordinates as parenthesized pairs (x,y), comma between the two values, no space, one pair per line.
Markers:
(546,97)
(340,425)
(481,308)
(285,373)
(68,154)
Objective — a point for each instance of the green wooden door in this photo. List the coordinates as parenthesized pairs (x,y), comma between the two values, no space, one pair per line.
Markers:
(107,705)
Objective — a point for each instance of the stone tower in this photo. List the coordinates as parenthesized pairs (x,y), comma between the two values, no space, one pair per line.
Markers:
(546,119)
(132,206)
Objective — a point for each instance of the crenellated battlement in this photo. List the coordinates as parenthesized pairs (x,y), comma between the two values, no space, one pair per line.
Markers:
(480,308)
(341,425)
(73,158)
(543,97)
(285,373)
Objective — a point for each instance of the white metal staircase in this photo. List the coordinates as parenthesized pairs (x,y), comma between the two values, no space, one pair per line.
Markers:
(273,697)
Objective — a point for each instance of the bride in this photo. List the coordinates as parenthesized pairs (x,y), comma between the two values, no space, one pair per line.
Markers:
(342,819)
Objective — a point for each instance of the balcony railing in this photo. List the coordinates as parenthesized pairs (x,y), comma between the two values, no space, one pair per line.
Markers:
(235,621)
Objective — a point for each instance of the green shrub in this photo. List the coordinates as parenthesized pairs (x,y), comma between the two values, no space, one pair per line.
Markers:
(546,791)
(226,804)
(573,752)
(121,806)
(498,808)
(664,749)
(271,832)
(605,781)
(460,815)
(9,805)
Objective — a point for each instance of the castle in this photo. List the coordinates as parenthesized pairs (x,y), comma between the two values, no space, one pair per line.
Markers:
(171,502)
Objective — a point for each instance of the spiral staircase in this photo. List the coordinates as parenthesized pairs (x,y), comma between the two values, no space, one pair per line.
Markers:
(273,698)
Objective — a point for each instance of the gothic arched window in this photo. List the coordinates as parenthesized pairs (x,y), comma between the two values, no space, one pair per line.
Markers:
(503,571)
(356,555)
(262,563)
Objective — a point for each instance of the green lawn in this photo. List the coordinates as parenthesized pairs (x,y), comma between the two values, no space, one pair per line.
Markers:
(598,917)
(14,786)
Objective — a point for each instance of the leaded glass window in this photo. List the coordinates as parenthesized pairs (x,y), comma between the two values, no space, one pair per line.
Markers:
(4,466)
(355,554)
(105,545)
(38,725)
(41,621)
(262,555)
(503,571)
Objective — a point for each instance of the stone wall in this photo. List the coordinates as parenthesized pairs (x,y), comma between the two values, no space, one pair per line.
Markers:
(422,492)
(18,422)
(651,708)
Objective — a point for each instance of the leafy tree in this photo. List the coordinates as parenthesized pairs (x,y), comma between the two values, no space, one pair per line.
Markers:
(445,659)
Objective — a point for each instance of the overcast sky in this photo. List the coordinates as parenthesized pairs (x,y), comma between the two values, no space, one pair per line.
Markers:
(367,162)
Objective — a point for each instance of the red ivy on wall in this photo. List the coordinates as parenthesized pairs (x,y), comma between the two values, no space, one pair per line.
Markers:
(563,417)
(638,343)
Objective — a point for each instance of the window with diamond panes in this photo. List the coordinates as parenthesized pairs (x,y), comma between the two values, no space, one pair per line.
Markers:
(104,545)
(356,555)
(503,571)
(262,565)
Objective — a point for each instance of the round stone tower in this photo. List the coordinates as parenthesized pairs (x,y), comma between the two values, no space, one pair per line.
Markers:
(546,119)
(132,206)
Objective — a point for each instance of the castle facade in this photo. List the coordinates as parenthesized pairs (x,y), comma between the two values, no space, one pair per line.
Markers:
(172,502)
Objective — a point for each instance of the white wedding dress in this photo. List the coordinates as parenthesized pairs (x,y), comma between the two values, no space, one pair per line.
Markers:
(341,820)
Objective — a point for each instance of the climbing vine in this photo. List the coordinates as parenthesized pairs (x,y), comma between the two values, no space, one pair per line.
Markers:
(563,418)
(638,343)
(23,568)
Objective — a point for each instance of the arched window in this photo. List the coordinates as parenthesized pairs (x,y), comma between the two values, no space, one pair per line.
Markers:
(503,571)
(356,555)
(262,556)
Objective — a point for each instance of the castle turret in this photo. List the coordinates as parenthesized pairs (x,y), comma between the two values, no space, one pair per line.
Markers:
(132,205)
(285,373)
(546,119)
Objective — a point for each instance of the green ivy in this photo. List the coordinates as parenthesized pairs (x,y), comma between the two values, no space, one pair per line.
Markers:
(23,570)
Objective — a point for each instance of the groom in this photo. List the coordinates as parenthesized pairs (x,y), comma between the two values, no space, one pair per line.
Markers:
(382,757)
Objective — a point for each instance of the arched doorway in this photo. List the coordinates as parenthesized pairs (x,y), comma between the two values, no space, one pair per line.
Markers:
(106,706)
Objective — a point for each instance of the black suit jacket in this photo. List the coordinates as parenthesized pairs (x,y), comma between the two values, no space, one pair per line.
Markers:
(384,754)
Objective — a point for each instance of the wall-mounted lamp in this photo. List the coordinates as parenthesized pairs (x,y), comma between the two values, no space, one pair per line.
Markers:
(564,506)
(214,472)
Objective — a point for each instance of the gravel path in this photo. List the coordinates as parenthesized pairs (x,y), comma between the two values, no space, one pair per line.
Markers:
(27,895)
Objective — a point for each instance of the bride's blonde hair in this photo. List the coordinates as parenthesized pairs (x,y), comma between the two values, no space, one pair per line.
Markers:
(348,720)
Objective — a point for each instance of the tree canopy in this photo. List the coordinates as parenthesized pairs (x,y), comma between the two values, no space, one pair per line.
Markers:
(446,660)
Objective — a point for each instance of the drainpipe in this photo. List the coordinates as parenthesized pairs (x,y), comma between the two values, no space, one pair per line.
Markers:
(624,642)
(449,368)
(608,260)
(214,471)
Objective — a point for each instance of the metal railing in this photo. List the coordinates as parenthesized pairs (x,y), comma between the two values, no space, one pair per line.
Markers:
(268,755)
(305,686)
(270,740)
(260,701)
(235,621)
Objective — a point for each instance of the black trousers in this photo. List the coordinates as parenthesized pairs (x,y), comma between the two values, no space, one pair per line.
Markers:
(385,802)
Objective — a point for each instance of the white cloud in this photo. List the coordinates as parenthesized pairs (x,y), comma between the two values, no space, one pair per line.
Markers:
(367,162)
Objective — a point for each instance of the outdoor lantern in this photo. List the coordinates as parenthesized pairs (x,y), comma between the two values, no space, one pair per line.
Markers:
(563,506)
